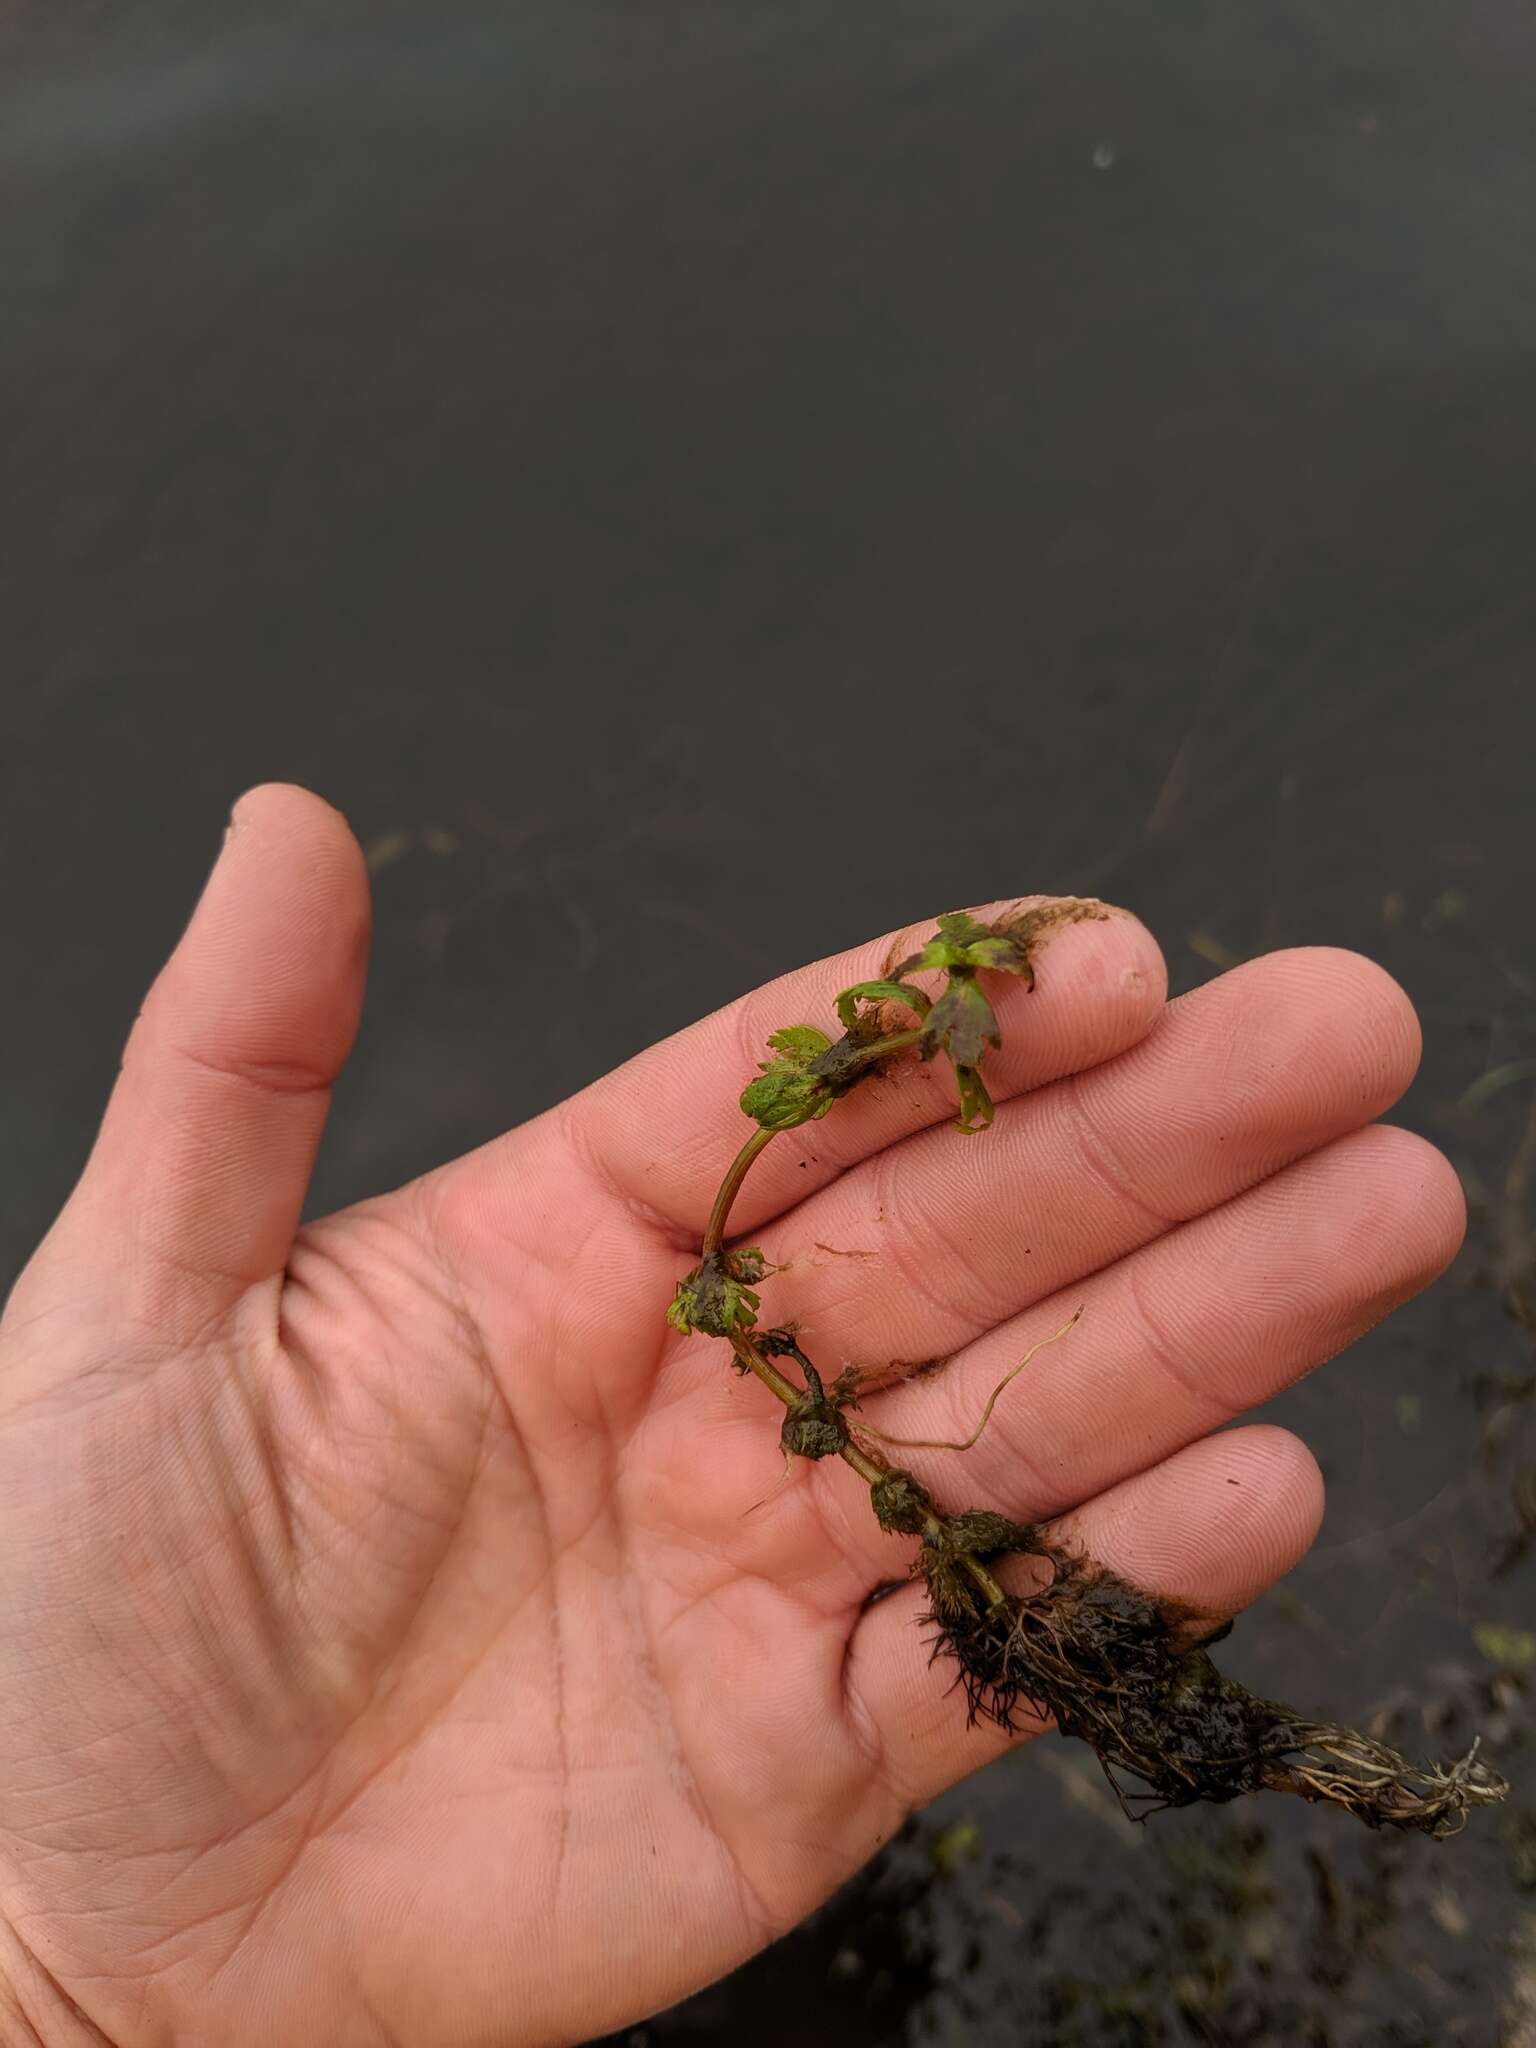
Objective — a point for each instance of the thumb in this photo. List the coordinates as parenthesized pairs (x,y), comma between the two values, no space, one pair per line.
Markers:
(193,1191)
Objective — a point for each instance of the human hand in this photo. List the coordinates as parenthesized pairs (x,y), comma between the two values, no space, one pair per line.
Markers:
(408,1638)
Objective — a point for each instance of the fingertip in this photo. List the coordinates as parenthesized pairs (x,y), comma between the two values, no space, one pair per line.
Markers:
(1117,975)
(1357,980)
(1415,1193)
(1342,1015)
(199,1172)
(291,811)
(1212,1527)
(1279,1493)
(1101,984)
(292,857)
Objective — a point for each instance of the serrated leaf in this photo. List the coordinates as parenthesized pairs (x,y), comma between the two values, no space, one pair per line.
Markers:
(938,954)
(786,1093)
(1005,947)
(975,1103)
(879,992)
(999,952)
(716,1298)
(961,928)
(961,1023)
(963,941)
(799,1044)
(784,1096)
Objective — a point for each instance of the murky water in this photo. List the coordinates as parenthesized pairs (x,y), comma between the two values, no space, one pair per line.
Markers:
(699,485)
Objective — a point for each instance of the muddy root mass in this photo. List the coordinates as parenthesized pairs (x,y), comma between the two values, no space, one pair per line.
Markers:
(1096,1657)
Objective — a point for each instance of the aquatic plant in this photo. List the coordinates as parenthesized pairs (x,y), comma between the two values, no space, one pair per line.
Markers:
(1081,1647)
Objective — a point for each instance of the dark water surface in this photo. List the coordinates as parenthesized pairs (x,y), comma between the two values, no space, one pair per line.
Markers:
(702,484)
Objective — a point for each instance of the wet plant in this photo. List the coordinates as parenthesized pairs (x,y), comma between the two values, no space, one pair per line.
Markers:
(1083,1648)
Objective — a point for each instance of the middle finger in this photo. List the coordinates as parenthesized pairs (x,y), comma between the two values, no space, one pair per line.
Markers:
(1186,1334)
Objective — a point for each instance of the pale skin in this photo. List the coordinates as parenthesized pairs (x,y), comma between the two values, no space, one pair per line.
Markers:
(405,1638)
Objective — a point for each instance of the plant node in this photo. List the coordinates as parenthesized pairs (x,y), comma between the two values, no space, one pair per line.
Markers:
(901,1506)
(716,1297)
(812,1426)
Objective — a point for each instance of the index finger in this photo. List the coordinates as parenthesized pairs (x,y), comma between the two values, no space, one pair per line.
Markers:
(665,1126)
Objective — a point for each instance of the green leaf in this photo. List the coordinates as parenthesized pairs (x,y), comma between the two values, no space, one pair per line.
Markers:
(716,1298)
(938,954)
(961,929)
(975,1102)
(961,1023)
(783,1098)
(879,992)
(786,1093)
(963,941)
(799,1043)
(1005,947)
(1000,952)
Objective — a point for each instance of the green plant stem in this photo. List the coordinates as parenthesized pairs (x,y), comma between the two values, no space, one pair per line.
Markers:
(882,1048)
(785,1390)
(741,1165)
(730,1187)
(782,1388)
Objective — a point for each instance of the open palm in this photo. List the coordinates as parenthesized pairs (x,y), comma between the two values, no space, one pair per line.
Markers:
(408,1639)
